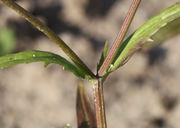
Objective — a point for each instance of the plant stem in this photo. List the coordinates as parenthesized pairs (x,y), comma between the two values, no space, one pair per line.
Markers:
(99,104)
(51,35)
(119,39)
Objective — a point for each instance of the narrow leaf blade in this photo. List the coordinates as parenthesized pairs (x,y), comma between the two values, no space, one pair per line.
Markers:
(143,34)
(38,56)
(103,55)
(170,30)
(85,113)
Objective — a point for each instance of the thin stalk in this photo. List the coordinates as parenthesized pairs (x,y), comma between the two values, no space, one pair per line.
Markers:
(119,39)
(99,104)
(51,35)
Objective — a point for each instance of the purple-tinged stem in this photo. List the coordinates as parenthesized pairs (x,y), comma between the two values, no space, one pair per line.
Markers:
(118,41)
(99,104)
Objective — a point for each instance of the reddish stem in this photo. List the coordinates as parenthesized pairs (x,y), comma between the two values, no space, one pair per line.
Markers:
(99,105)
(118,41)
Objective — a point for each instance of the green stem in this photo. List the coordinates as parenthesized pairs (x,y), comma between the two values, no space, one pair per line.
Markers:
(99,104)
(51,35)
(119,39)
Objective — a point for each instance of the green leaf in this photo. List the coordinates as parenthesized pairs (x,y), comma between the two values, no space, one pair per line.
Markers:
(85,114)
(103,55)
(38,56)
(144,34)
(51,35)
(170,30)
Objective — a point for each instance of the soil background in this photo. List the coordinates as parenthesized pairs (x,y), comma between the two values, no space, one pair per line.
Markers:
(145,93)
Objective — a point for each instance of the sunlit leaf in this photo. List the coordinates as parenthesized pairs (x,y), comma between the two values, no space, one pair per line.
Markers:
(144,34)
(170,30)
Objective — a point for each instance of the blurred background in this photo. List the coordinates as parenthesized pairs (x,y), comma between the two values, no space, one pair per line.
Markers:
(145,93)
